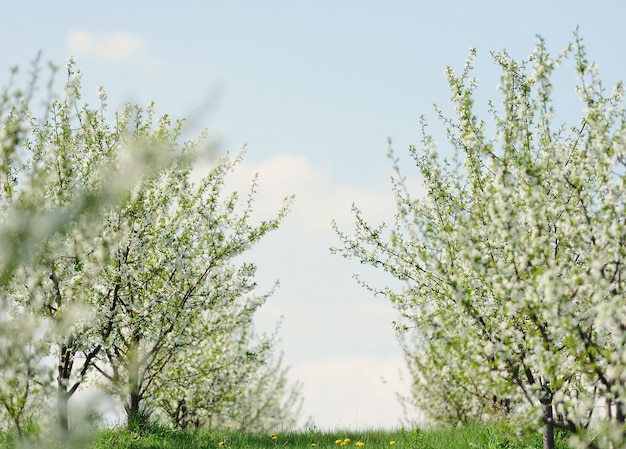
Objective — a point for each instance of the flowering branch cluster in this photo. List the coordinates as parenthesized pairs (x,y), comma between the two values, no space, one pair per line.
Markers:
(514,303)
(120,267)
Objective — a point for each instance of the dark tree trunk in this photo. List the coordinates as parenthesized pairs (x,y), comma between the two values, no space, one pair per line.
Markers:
(619,416)
(134,397)
(18,429)
(548,433)
(63,413)
(132,410)
(607,409)
(66,361)
(619,412)
(548,414)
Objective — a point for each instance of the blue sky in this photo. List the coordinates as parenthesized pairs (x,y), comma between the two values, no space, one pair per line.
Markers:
(314,88)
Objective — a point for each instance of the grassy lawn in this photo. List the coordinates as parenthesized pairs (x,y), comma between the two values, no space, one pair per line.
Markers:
(496,437)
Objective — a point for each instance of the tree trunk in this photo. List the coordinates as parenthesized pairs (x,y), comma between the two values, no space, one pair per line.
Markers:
(18,429)
(132,411)
(620,417)
(63,396)
(548,413)
(548,432)
(619,412)
(134,398)
(63,412)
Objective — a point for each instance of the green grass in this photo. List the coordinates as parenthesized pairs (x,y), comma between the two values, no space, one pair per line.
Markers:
(470,437)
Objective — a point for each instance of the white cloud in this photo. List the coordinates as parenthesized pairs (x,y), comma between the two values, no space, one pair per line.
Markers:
(81,42)
(122,46)
(115,48)
(318,200)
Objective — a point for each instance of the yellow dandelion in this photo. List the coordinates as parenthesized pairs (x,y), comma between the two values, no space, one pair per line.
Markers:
(273,437)
(391,443)
(347,440)
(343,443)
(221,443)
(312,445)
(360,443)
(338,441)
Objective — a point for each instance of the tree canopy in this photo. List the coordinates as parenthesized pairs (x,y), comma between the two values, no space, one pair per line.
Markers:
(119,265)
(512,255)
